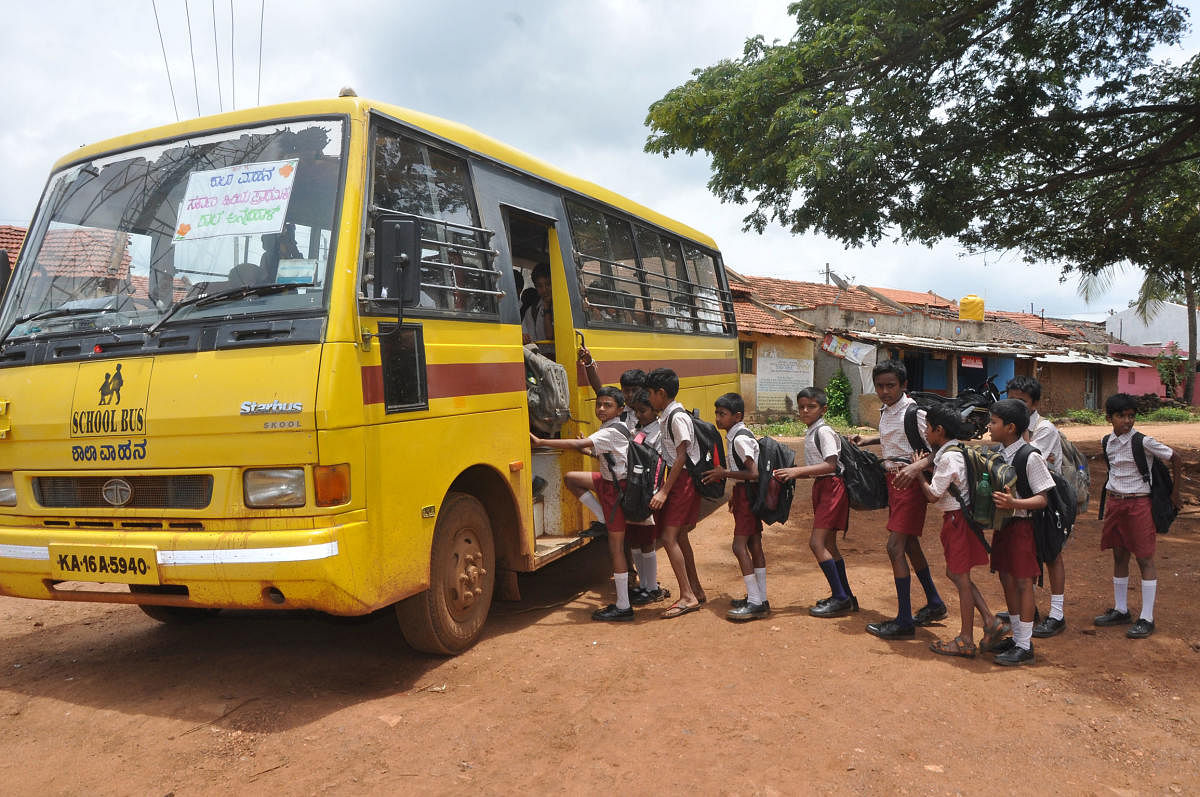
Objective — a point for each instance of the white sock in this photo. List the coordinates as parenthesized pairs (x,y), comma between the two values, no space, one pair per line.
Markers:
(752,589)
(1149,590)
(1121,594)
(1056,606)
(1023,634)
(760,575)
(593,505)
(621,580)
(649,570)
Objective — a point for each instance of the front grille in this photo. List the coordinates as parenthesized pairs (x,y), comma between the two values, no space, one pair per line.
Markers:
(149,492)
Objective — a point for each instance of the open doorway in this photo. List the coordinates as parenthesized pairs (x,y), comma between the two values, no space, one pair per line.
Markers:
(529,242)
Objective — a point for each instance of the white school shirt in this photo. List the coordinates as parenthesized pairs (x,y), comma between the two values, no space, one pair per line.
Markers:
(892,438)
(949,468)
(650,433)
(1044,437)
(533,323)
(1036,472)
(608,439)
(681,430)
(1123,476)
(820,442)
(745,446)
(629,418)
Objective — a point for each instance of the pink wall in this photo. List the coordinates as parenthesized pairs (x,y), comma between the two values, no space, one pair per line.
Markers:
(1145,380)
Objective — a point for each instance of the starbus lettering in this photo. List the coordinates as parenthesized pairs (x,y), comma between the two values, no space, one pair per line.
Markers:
(271,407)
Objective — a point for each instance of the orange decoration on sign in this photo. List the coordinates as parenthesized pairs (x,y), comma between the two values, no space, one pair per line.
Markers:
(286,170)
(184,229)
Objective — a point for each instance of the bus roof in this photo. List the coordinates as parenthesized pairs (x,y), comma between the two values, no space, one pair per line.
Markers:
(359,107)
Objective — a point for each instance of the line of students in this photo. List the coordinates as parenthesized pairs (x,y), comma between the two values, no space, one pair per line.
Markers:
(646,401)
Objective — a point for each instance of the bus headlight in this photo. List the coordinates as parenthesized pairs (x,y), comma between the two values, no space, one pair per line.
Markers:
(8,489)
(266,488)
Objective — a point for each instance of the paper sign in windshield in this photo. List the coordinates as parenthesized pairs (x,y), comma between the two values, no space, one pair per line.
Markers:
(250,199)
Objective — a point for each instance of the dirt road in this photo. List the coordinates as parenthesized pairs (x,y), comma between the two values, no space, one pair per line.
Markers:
(100,699)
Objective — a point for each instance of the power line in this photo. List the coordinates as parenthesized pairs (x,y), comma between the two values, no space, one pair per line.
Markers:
(192,49)
(167,66)
(217,56)
(262,12)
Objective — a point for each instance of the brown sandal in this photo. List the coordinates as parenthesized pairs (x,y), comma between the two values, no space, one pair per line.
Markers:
(992,636)
(955,647)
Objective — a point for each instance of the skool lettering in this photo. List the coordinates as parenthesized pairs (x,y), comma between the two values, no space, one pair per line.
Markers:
(109,421)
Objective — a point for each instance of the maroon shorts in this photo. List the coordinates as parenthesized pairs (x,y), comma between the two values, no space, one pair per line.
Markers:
(906,508)
(831,504)
(641,536)
(1013,549)
(683,504)
(1128,524)
(745,522)
(610,502)
(962,547)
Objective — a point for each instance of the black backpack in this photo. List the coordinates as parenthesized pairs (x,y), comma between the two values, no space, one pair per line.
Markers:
(770,499)
(863,474)
(712,452)
(1053,523)
(912,429)
(1156,474)
(645,472)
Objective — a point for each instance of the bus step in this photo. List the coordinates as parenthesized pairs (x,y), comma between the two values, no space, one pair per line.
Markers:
(548,548)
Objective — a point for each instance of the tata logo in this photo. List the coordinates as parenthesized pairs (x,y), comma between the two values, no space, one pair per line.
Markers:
(272,408)
(117,492)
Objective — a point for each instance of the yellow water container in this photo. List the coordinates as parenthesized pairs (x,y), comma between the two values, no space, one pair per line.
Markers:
(970,308)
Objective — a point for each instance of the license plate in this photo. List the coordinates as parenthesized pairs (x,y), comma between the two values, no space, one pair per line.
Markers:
(118,564)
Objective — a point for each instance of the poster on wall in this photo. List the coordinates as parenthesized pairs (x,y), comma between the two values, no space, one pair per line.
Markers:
(971,361)
(779,379)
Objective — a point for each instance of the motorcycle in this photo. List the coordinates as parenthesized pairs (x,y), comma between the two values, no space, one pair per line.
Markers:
(973,405)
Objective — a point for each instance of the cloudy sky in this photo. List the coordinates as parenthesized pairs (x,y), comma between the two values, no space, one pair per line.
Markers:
(569,82)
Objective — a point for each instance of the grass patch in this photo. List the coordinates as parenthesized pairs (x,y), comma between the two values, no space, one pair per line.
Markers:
(1088,417)
(794,428)
(1168,415)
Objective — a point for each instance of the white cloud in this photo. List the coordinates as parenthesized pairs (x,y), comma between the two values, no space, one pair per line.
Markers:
(568,82)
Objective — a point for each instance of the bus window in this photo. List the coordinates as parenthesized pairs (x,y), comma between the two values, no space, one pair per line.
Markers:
(709,311)
(457,270)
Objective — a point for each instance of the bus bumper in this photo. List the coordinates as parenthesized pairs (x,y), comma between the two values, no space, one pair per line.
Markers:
(294,569)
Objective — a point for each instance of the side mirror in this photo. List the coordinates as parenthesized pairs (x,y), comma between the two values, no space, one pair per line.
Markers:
(398,258)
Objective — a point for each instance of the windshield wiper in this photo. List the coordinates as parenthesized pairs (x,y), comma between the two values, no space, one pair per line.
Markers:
(52,313)
(226,296)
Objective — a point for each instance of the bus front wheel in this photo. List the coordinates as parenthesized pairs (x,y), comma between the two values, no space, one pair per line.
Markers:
(448,617)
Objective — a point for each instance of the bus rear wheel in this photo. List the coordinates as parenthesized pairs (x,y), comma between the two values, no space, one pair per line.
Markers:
(448,617)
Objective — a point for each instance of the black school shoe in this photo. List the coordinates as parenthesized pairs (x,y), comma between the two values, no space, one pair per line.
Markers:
(853,602)
(1141,629)
(611,614)
(748,611)
(642,597)
(1112,617)
(832,608)
(1015,656)
(1049,627)
(738,603)
(930,614)
(597,529)
(890,629)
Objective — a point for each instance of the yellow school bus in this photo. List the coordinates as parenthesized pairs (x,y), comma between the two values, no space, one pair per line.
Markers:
(273,359)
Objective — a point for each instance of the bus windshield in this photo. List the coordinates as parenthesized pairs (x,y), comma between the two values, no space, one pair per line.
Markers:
(123,241)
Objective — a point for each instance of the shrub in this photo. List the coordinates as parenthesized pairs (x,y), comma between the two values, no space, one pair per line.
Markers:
(1089,417)
(838,391)
(1168,415)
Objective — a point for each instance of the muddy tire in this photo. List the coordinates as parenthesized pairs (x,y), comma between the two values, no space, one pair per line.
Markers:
(448,617)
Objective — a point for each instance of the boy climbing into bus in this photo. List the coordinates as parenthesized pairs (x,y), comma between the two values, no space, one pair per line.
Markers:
(747,528)
(609,444)
(677,504)
(643,536)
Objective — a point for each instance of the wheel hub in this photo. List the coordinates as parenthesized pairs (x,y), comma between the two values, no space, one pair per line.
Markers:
(466,573)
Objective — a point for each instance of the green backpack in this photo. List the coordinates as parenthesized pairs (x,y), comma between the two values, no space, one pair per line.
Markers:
(978,508)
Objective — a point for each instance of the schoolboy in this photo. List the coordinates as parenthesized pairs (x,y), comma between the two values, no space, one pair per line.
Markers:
(831,504)
(632,381)
(676,504)
(906,503)
(1128,525)
(747,528)
(1014,552)
(1043,435)
(609,441)
(643,536)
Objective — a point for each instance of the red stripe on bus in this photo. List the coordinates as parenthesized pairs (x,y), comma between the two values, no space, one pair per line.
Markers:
(611,371)
(453,379)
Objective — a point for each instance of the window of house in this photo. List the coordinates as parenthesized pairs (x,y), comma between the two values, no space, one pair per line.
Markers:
(746,356)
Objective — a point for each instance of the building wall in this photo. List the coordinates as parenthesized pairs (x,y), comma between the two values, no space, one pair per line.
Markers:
(1145,380)
(771,346)
(1063,386)
(1168,324)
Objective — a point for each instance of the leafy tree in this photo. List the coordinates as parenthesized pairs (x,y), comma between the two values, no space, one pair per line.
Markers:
(1044,127)
(1170,369)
